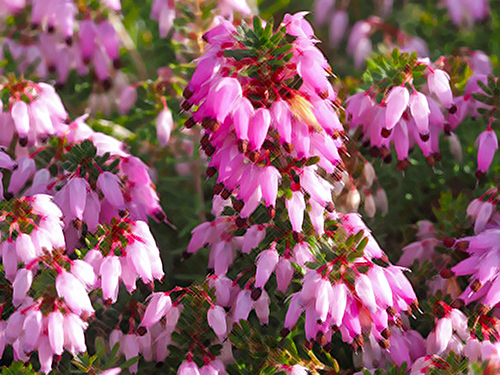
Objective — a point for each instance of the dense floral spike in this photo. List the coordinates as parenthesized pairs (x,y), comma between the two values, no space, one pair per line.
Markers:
(68,36)
(281,132)
(409,116)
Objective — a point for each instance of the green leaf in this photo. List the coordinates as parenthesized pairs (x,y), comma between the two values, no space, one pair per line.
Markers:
(257,26)
(281,50)
(239,54)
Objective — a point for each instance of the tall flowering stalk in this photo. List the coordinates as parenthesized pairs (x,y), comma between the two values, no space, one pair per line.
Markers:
(275,144)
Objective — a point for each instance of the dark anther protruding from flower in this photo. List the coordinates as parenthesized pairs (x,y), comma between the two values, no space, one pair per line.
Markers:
(52,69)
(218,188)
(205,140)
(386,133)
(67,121)
(446,273)
(122,213)
(271,211)
(447,129)
(211,171)
(358,342)
(34,26)
(288,147)
(366,144)
(226,193)
(374,152)
(186,254)
(159,215)
(480,175)
(69,41)
(320,338)
(77,224)
(403,164)
(385,333)
(391,311)
(476,285)
(51,29)
(107,84)
(86,60)
(398,322)
(117,64)
(383,152)
(462,245)
(458,303)
(186,105)
(242,145)
(238,205)
(253,155)
(141,331)
(330,207)
(210,271)
(209,150)
(437,156)
(8,196)
(256,293)
(384,259)
(414,305)
(483,310)
(424,137)
(284,332)
(187,93)
(43,138)
(452,109)
(190,122)
(448,242)
(216,126)
(23,141)
(388,159)
(323,95)
(384,344)
(241,222)
(207,122)
(298,237)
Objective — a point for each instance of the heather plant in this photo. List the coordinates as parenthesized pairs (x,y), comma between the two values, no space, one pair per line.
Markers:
(201,187)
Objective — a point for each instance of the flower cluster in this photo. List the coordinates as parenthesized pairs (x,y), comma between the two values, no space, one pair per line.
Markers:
(276,129)
(407,117)
(61,36)
(77,191)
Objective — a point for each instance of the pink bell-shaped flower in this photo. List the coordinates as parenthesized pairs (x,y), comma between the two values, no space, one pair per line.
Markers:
(397,101)
(487,144)
(216,317)
(266,263)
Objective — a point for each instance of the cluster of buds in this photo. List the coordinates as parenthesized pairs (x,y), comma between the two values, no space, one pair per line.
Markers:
(406,117)
(251,120)
(481,265)
(84,192)
(46,316)
(67,35)
(32,113)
